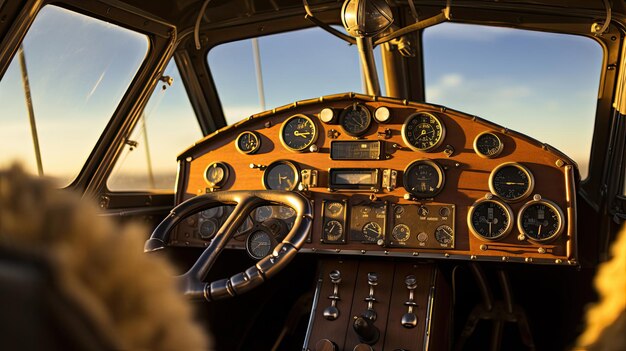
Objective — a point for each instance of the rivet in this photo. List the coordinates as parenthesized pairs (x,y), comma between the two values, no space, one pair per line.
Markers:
(558,261)
(541,250)
(472,257)
(484,247)
(363,251)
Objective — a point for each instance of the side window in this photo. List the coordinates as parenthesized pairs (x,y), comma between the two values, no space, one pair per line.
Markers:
(167,126)
(544,85)
(61,89)
(296,65)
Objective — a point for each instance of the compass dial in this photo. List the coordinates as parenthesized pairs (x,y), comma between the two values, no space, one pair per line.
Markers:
(423,131)
(248,142)
(355,120)
(298,132)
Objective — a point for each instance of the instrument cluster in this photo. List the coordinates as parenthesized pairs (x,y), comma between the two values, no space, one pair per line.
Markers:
(394,178)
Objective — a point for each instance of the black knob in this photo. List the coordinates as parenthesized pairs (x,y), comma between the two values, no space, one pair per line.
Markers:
(325,345)
(365,330)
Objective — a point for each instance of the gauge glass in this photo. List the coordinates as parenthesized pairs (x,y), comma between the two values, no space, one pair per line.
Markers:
(423,131)
(511,181)
(382,114)
(248,142)
(540,220)
(211,212)
(355,120)
(298,132)
(423,178)
(259,244)
(372,231)
(444,234)
(334,208)
(333,230)
(401,232)
(216,174)
(327,115)
(285,212)
(263,213)
(281,175)
(208,228)
(490,219)
(488,145)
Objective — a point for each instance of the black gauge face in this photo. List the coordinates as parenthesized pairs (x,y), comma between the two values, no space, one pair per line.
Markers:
(444,234)
(356,120)
(298,132)
(401,232)
(281,175)
(490,220)
(212,212)
(511,181)
(540,221)
(259,244)
(488,145)
(423,132)
(423,178)
(263,213)
(216,174)
(334,208)
(208,228)
(248,142)
(333,230)
(372,231)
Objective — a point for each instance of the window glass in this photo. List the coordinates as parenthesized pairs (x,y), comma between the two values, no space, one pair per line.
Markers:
(541,84)
(296,65)
(77,69)
(167,127)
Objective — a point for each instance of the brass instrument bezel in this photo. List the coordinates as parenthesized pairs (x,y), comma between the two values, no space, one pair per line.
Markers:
(439,141)
(309,143)
(497,153)
(529,174)
(507,210)
(550,204)
(255,149)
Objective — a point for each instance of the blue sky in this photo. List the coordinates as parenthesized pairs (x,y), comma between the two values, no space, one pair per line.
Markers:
(541,84)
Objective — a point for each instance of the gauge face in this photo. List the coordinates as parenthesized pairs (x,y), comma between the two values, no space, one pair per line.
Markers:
(423,131)
(298,132)
(401,232)
(423,178)
(382,114)
(444,235)
(281,175)
(490,219)
(208,228)
(285,212)
(259,244)
(333,231)
(216,174)
(355,120)
(263,213)
(334,208)
(488,145)
(248,142)
(511,181)
(540,220)
(372,231)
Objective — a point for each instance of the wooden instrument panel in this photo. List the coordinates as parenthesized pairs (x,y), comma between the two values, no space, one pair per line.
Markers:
(383,216)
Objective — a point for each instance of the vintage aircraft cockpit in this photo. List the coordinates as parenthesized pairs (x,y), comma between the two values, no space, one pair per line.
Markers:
(339,175)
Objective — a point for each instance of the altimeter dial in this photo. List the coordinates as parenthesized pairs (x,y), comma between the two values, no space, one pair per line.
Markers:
(423,131)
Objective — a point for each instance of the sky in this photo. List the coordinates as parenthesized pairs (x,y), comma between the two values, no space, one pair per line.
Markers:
(540,84)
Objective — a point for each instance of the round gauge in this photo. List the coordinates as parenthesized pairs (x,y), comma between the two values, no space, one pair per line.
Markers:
(211,212)
(281,175)
(248,142)
(333,230)
(334,208)
(382,115)
(511,181)
(423,178)
(327,115)
(208,228)
(355,120)
(372,231)
(298,132)
(423,131)
(444,234)
(259,244)
(540,220)
(488,145)
(263,213)
(401,232)
(285,212)
(490,219)
(216,174)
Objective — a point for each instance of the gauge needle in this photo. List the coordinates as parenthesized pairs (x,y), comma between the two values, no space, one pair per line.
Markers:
(332,227)
(539,231)
(302,134)
(514,183)
(279,178)
(489,228)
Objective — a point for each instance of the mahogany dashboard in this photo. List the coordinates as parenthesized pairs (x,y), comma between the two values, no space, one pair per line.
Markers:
(388,177)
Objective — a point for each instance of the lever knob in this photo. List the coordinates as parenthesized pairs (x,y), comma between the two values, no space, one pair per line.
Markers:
(325,345)
(365,330)
(335,277)
(372,278)
(410,281)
